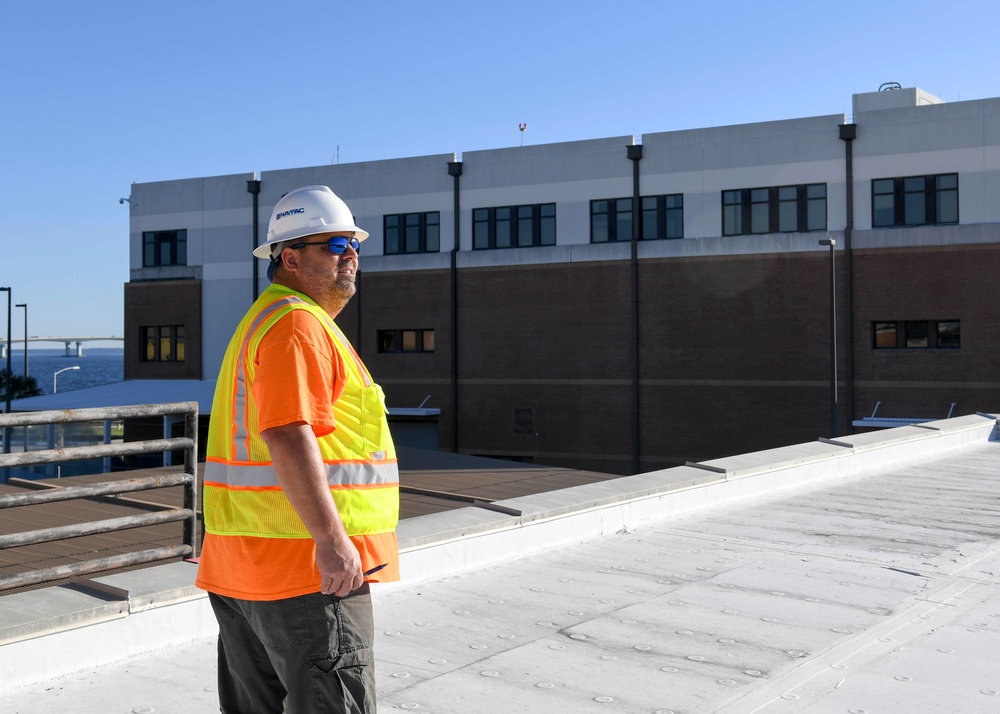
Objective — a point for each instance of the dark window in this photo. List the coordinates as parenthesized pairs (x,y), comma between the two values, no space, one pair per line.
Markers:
(949,335)
(885,335)
(600,221)
(412,232)
(917,334)
(760,210)
(164,248)
(661,217)
(732,213)
(162,343)
(514,226)
(775,209)
(915,200)
(406,340)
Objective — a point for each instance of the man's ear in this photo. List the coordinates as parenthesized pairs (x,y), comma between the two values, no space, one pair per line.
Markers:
(290,259)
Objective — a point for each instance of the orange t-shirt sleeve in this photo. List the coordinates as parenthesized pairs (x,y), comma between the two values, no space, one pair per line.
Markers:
(299,375)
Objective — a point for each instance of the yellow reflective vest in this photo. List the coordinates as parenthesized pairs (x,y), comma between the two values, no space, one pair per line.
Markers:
(242,496)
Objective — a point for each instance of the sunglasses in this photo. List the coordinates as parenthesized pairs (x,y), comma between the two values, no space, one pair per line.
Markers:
(336,245)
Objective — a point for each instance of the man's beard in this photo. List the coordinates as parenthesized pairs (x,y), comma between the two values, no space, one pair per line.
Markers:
(342,289)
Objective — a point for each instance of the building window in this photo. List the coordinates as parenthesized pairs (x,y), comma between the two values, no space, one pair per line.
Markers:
(162,343)
(412,233)
(406,340)
(884,335)
(775,209)
(662,217)
(164,248)
(917,334)
(514,226)
(915,201)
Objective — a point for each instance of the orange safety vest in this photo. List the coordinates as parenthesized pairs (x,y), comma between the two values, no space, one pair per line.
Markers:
(242,496)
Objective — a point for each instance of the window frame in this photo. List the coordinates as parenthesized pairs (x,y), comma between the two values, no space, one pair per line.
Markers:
(501,227)
(919,335)
(156,243)
(152,339)
(396,341)
(904,193)
(763,210)
(655,221)
(426,232)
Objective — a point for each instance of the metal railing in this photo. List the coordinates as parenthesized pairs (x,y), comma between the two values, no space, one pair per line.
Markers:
(188,479)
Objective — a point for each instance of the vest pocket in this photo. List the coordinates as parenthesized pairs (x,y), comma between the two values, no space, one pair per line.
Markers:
(374,429)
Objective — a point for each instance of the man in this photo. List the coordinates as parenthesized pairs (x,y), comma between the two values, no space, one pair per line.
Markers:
(301,492)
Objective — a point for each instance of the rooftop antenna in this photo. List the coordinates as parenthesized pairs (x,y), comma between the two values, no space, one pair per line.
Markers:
(889,86)
(522,127)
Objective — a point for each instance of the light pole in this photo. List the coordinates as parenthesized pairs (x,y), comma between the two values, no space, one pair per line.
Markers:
(833,335)
(9,389)
(56,374)
(25,306)
(7,377)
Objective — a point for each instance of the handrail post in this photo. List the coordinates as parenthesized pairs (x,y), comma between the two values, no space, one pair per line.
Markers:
(106,462)
(50,444)
(191,489)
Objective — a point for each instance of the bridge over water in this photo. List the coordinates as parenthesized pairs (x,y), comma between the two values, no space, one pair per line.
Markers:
(74,345)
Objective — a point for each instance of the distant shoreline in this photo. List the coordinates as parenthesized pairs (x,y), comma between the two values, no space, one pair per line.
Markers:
(57,351)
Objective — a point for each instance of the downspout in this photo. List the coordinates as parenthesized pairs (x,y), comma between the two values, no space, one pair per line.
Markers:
(455,171)
(634,153)
(848,133)
(253,187)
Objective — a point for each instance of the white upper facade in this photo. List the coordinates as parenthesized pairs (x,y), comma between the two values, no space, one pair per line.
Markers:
(902,133)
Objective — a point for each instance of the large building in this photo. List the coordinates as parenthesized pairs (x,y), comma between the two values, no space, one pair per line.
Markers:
(601,304)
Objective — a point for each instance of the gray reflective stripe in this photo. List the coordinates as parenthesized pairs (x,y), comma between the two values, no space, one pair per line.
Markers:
(350,474)
(240,450)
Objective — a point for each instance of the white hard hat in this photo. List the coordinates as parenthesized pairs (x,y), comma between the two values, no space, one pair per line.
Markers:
(307,211)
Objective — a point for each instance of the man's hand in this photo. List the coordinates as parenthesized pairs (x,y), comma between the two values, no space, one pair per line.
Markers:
(299,468)
(339,567)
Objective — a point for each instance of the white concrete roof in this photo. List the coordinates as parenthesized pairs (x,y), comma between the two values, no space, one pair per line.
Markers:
(152,391)
(128,393)
(861,575)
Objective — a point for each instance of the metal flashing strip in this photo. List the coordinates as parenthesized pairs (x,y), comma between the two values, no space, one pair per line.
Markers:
(474,501)
(706,467)
(95,587)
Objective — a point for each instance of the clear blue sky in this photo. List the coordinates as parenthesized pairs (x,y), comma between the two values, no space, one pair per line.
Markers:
(97,95)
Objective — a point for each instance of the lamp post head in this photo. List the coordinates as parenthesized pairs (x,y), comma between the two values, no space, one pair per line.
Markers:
(55,389)
(828,241)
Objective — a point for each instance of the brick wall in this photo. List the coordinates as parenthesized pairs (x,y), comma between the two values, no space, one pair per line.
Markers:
(733,351)
(173,302)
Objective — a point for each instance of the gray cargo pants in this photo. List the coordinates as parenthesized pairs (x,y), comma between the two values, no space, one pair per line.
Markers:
(310,654)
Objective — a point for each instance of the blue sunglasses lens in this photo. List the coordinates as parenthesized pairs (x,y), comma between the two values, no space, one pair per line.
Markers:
(338,245)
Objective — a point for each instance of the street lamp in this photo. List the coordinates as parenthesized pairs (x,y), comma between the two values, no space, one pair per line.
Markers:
(56,374)
(833,335)
(25,306)
(9,385)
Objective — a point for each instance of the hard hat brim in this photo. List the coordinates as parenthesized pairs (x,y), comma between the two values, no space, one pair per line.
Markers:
(263,251)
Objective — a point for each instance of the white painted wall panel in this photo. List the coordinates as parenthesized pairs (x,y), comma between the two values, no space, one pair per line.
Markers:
(961,137)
